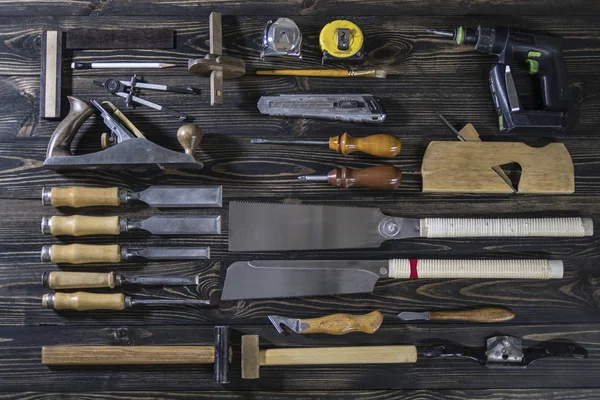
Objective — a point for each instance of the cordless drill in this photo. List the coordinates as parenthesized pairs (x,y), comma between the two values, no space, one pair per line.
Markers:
(544,57)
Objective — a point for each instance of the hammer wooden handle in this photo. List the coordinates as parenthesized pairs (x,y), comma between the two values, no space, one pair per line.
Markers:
(81,253)
(378,177)
(489,314)
(339,355)
(80,225)
(127,355)
(77,196)
(341,324)
(83,301)
(77,280)
(381,145)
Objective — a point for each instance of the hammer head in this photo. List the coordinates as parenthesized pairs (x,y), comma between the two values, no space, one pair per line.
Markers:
(250,357)
(222,354)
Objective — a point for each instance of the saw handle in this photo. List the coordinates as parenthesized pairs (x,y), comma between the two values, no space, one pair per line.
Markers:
(78,280)
(488,314)
(81,253)
(83,301)
(80,225)
(506,227)
(127,355)
(77,196)
(341,324)
(381,145)
(385,177)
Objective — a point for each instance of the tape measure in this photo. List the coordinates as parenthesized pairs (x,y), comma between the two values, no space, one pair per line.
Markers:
(341,40)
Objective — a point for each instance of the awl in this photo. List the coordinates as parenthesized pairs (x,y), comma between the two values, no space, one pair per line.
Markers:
(160,196)
(291,278)
(334,324)
(487,314)
(380,145)
(110,280)
(81,225)
(84,301)
(114,253)
(271,227)
(384,177)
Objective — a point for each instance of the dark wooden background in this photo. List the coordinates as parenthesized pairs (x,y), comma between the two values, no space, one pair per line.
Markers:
(427,75)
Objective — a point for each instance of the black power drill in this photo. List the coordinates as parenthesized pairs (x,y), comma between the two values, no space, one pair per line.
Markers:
(544,56)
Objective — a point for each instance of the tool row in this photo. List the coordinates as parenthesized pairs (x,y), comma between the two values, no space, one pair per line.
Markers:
(500,351)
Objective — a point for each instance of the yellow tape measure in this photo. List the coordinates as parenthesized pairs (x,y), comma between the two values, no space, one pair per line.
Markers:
(341,39)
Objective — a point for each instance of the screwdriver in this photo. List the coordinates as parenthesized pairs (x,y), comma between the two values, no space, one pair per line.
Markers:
(84,301)
(384,177)
(77,280)
(381,145)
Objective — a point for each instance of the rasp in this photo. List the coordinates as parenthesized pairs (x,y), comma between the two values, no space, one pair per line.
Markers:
(274,227)
(160,196)
(83,225)
(296,278)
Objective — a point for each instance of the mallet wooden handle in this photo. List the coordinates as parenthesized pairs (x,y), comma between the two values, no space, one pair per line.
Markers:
(381,145)
(83,301)
(78,280)
(378,177)
(339,355)
(341,324)
(489,314)
(127,355)
(81,253)
(80,225)
(77,196)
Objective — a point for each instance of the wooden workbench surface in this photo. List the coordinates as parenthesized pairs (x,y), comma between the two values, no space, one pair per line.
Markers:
(425,75)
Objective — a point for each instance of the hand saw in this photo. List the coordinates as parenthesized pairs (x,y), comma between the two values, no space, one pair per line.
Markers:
(273,227)
(292,278)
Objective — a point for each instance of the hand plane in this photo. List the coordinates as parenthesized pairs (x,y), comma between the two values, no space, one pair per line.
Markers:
(122,149)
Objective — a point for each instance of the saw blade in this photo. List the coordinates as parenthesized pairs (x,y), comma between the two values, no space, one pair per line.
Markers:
(271,227)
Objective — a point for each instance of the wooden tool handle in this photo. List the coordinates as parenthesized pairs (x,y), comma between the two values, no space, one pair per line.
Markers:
(339,355)
(189,137)
(489,314)
(127,355)
(341,324)
(83,301)
(471,269)
(381,145)
(505,227)
(80,225)
(79,280)
(82,253)
(384,177)
(78,196)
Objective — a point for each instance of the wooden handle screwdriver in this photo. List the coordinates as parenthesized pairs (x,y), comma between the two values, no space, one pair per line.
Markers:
(384,177)
(380,145)
(487,314)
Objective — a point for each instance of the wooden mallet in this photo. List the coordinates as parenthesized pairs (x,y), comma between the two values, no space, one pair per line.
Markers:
(219,354)
(253,357)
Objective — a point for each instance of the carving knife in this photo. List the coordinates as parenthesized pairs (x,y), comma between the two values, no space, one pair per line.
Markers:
(160,196)
(114,253)
(275,227)
(82,225)
(295,278)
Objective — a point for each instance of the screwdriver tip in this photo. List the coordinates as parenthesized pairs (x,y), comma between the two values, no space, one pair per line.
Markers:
(257,140)
(302,178)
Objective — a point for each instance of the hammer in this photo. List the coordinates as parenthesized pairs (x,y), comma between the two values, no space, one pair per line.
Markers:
(219,354)
(253,357)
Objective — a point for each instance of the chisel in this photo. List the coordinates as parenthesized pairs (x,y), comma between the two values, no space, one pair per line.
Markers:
(82,225)
(84,301)
(160,196)
(114,253)
(487,314)
(110,280)
(385,177)
(380,145)
(278,227)
(334,324)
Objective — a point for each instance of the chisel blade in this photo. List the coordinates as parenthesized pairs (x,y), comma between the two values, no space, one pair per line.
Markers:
(181,196)
(276,279)
(412,315)
(266,226)
(172,253)
(188,225)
